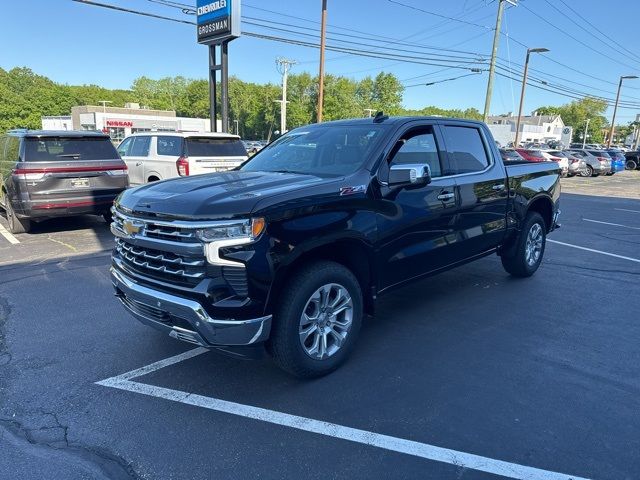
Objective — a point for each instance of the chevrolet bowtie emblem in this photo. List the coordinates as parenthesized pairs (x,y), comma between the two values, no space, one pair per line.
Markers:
(132,228)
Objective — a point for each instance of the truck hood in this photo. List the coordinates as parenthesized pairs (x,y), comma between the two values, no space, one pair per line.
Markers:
(214,196)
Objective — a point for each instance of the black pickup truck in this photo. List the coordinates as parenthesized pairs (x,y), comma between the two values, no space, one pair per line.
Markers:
(289,251)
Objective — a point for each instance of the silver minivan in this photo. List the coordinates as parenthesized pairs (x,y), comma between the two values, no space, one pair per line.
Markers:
(153,156)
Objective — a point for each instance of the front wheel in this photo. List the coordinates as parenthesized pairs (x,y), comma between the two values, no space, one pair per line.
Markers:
(631,165)
(318,320)
(526,255)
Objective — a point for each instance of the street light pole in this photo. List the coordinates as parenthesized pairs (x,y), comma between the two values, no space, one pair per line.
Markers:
(586,128)
(323,30)
(615,108)
(524,85)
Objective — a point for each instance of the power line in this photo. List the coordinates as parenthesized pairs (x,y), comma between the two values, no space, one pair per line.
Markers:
(559,90)
(596,28)
(442,81)
(413,7)
(254,21)
(607,56)
(582,27)
(136,12)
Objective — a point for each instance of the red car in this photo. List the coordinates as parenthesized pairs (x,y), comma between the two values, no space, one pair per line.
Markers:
(531,155)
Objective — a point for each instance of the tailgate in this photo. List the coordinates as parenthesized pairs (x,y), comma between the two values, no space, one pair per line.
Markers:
(199,165)
(70,169)
(209,154)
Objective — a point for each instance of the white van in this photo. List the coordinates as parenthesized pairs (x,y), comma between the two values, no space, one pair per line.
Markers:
(153,156)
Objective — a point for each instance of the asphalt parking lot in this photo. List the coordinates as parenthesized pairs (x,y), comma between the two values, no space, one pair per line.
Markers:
(467,375)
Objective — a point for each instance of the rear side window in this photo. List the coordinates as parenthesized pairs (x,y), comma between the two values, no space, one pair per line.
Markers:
(171,146)
(215,147)
(420,148)
(140,147)
(52,149)
(466,149)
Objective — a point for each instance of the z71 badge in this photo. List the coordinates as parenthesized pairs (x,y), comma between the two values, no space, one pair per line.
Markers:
(353,189)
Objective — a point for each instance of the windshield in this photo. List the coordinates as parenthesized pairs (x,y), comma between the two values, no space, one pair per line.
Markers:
(327,150)
(215,147)
(52,149)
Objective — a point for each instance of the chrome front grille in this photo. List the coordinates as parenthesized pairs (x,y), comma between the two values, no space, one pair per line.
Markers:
(157,229)
(168,251)
(161,264)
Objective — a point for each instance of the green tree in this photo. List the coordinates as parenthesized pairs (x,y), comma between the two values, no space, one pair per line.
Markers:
(576,113)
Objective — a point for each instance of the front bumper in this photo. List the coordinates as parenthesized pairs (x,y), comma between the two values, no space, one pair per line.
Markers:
(186,319)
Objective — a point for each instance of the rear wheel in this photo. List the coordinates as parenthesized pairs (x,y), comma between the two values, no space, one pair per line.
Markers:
(587,172)
(16,225)
(318,320)
(526,255)
(632,165)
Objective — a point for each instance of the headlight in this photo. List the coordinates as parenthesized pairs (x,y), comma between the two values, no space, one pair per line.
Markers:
(229,234)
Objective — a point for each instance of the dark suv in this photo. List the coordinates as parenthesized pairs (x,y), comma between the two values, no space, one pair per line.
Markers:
(47,174)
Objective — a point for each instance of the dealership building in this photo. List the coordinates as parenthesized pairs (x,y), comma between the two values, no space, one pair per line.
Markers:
(120,122)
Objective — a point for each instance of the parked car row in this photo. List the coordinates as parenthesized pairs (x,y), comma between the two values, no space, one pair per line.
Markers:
(46,174)
(585,162)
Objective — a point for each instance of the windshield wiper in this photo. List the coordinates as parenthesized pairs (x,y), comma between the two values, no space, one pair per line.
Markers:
(69,155)
(284,171)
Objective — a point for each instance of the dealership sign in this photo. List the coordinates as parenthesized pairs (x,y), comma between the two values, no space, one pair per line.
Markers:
(119,123)
(218,20)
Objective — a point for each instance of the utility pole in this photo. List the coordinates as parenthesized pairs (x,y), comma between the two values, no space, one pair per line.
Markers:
(284,65)
(369,111)
(104,105)
(615,108)
(323,31)
(586,129)
(494,53)
(524,85)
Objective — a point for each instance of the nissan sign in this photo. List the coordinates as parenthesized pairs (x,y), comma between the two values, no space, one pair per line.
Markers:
(218,20)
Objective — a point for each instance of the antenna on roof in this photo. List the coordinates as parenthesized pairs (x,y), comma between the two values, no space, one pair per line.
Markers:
(380,117)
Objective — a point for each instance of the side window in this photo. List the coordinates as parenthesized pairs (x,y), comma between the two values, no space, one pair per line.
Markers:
(12,149)
(3,142)
(125,146)
(140,147)
(419,148)
(466,149)
(171,146)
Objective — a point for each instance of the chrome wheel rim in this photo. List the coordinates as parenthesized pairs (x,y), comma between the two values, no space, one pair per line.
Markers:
(533,247)
(326,321)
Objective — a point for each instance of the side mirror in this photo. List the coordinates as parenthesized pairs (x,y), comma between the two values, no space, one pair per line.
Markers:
(410,174)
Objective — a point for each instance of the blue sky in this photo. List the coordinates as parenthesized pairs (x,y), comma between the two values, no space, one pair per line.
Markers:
(74,43)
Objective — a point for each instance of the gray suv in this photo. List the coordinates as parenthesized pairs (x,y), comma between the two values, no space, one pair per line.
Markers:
(46,174)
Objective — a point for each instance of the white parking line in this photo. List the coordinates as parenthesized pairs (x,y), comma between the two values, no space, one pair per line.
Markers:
(609,223)
(6,234)
(386,442)
(627,210)
(594,251)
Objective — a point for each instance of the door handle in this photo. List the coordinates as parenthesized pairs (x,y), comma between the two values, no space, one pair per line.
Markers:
(138,164)
(498,188)
(446,196)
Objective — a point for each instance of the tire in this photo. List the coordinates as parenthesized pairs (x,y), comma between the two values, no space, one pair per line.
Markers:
(587,172)
(300,311)
(520,261)
(16,225)
(631,165)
